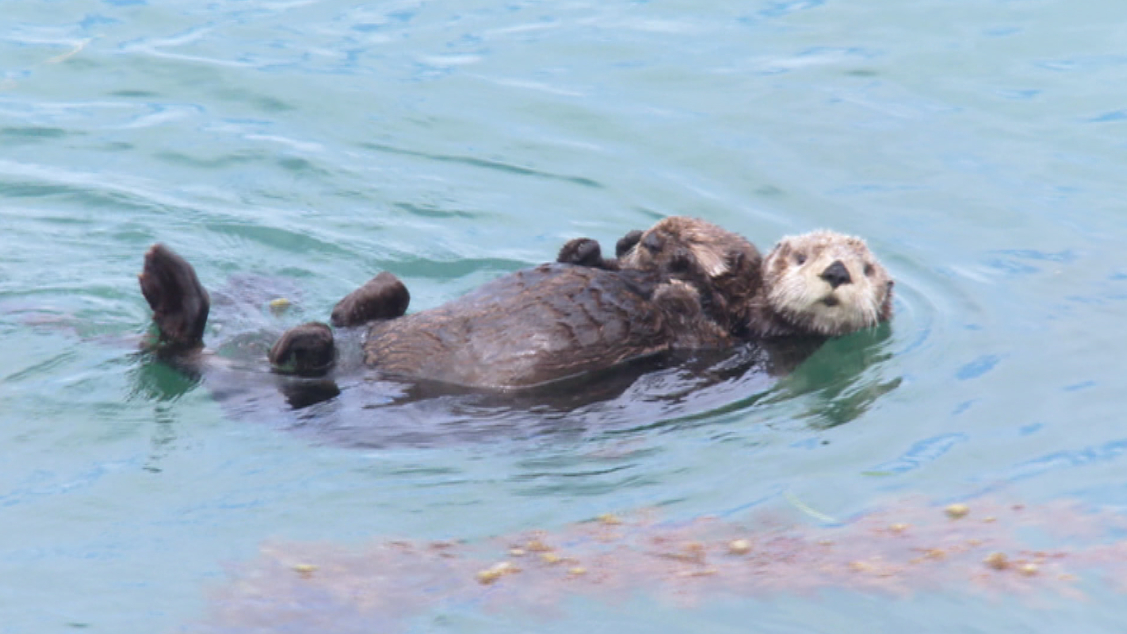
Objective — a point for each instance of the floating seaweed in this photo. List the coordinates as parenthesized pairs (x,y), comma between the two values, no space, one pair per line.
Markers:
(906,548)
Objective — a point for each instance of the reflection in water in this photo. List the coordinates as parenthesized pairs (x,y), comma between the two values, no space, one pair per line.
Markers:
(159,380)
(303,393)
(843,378)
(984,548)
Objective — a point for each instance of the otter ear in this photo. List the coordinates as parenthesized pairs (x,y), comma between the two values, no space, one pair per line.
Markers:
(886,306)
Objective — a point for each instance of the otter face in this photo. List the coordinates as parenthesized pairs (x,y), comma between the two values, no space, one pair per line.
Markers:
(681,245)
(723,266)
(826,283)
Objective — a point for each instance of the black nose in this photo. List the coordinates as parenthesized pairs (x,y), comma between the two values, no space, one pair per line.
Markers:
(836,274)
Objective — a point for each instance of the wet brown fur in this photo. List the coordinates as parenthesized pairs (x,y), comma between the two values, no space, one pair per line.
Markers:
(541,325)
(722,266)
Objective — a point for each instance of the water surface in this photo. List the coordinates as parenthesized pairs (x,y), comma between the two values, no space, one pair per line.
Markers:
(298,148)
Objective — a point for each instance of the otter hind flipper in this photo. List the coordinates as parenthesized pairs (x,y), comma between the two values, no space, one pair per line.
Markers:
(382,297)
(180,303)
(305,350)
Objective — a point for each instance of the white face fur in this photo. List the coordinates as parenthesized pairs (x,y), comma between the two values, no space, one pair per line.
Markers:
(827,283)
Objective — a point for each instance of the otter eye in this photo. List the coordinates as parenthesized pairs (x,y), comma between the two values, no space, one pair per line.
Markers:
(800,258)
(868,270)
(680,262)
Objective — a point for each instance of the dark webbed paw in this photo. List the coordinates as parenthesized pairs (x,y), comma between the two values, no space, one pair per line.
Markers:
(382,297)
(627,242)
(180,303)
(305,350)
(582,251)
(588,252)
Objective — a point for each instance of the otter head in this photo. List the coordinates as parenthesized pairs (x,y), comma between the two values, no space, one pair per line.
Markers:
(826,283)
(723,266)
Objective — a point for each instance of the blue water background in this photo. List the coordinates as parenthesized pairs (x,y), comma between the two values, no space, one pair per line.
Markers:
(979,146)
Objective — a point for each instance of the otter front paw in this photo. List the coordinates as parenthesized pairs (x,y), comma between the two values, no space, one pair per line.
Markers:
(585,252)
(626,242)
(180,303)
(581,251)
(382,297)
(305,350)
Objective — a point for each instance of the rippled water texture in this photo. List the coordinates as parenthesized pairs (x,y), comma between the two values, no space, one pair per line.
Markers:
(294,149)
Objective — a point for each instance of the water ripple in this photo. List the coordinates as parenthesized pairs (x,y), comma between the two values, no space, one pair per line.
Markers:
(920,454)
(313,143)
(473,161)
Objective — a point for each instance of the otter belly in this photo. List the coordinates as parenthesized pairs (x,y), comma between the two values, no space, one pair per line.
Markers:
(526,328)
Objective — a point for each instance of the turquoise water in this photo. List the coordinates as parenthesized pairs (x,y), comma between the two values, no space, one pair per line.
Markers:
(296,148)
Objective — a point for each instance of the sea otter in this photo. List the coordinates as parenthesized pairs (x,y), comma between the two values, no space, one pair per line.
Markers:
(682,284)
(821,284)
